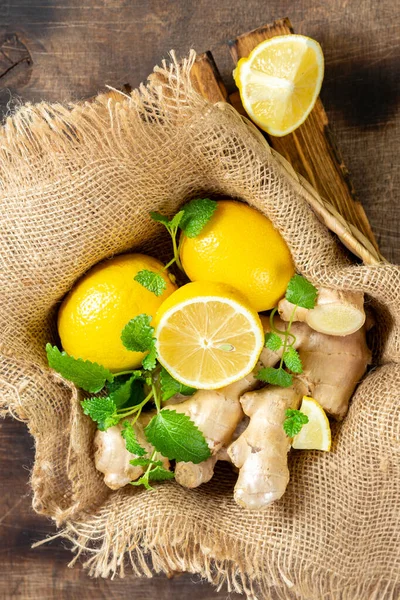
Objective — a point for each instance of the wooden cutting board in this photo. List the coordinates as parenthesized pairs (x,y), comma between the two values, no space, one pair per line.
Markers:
(311,149)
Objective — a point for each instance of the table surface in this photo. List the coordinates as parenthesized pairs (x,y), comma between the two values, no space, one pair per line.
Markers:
(60,50)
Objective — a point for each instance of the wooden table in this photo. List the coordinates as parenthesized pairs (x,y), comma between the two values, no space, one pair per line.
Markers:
(68,49)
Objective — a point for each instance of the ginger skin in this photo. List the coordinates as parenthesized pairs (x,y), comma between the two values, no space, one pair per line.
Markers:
(260,452)
(112,458)
(335,313)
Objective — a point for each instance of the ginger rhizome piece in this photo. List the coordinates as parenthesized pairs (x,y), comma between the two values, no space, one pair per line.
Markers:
(112,458)
(335,313)
(260,452)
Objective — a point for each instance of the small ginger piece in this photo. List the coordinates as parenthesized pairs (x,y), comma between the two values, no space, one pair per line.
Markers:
(112,458)
(260,452)
(335,313)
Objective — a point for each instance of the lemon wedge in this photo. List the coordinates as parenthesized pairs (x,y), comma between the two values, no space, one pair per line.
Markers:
(279,82)
(208,336)
(316,434)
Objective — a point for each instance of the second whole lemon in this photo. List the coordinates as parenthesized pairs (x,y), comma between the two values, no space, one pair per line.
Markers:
(92,316)
(239,246)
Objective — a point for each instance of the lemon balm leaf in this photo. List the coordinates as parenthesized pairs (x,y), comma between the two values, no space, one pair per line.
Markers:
(275,376)
(160,474)
(150,360)
(301,292)
(87,375)
(292,360)
(177,437)
(176,220)
(137,335)
(197,214)
(273,341)
(101,410)
(153,282)
(294,421)
(129,435)
(159,218)
(170,386)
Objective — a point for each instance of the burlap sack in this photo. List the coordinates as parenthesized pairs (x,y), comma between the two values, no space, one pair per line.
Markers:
(77,184)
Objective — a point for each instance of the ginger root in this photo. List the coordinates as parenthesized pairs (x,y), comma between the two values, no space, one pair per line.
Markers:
(335,313)
(332,365)
(260,452)
(112,458)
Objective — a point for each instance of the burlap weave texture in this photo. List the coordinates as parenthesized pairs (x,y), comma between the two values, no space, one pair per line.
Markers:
(76,186)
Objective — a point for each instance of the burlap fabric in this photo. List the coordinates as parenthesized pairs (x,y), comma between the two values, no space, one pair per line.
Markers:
(77,183)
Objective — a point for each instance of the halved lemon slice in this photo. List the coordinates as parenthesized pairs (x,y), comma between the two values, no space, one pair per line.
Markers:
(207,335)
(279,82)
(316,434)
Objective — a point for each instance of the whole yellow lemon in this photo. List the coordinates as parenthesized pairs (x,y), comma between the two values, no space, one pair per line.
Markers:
(239,246)
(94,313)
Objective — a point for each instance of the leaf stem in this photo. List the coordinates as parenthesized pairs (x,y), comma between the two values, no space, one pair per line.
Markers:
(287,333)
(173,233)
(138,408)
(124,372)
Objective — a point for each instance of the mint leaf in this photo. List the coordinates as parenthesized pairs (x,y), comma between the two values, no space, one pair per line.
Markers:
(152,281)
(150,360)
(275,376)
(197,213)
(129,435)
(160,474)
(294,421)
(85,374)
(170,386)
(137,335)
(141,462)
(273,341)
(159,218)
(177,437)
(176,220)
(101,410)
(301,292)
(130,390)
(292,360)
(143,480)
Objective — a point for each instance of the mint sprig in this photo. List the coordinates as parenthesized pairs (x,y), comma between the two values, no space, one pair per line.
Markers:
(275,376)
(196,215)
(294,421)
(152,281)
(177,437)
(87,375)
(129,435)
(301,292)
(101,410)
(137,335)
(273,341)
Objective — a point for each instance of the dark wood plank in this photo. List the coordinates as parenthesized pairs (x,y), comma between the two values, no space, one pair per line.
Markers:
(311,149)
(75,48)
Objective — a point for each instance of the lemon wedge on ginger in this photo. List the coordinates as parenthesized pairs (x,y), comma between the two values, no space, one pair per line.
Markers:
(279,82)
(316,434)
(208,336)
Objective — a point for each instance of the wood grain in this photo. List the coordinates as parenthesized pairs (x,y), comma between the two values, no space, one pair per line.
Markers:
(311,149)
(75,48)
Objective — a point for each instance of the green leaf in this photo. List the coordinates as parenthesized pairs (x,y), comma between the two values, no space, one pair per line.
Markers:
(143,480)
(176,220)
(127,391)
(145,462)
(177,437)
(159,218)
(85,374)
(170,386)
(101,410)
(197,215)
(129,435)
(153,282)
(275,376)
(294,421)
(137,335)
(292,360)
(150,360)
(273,341)
(301,292)
(160,474)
